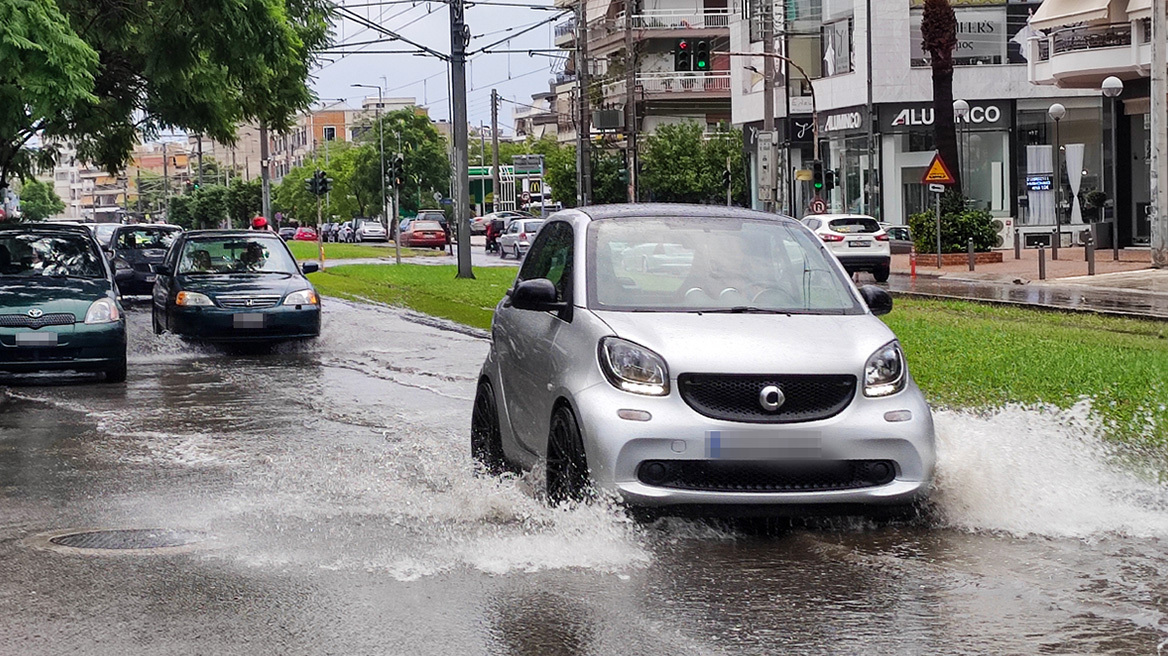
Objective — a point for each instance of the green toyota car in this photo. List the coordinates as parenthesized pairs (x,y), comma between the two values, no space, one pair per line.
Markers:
(59,307)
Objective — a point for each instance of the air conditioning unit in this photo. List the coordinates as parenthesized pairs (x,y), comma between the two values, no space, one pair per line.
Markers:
(1005,229)
(1081,236)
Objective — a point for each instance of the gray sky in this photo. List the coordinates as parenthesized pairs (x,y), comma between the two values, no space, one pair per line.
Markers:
(516,76)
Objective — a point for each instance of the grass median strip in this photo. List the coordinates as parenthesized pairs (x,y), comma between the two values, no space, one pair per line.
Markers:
(306,250)
(962,354)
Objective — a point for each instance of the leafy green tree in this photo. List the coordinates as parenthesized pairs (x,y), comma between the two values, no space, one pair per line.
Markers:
(204,67)
(244,200)
(38,201)
(423,149)
(608,185)
(181,211)
(959,224)
(559,169)
(721,148)
(674,166)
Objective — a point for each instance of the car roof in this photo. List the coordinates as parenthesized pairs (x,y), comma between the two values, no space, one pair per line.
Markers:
(840,216)
(229,233)
(79,228)
(672,210)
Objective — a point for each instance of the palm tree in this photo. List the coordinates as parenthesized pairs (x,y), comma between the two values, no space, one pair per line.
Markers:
(939,39)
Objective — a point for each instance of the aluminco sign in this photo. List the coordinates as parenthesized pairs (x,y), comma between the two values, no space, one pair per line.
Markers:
(848,121)
(924,116)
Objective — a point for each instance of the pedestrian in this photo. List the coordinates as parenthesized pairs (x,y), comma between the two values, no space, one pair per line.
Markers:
(449,241)
(260,223)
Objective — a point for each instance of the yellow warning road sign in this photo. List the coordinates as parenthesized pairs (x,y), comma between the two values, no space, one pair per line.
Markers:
(938,173)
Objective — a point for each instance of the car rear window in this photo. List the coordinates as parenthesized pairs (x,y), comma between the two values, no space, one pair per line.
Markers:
(426,225)
(531,226)
(854,224)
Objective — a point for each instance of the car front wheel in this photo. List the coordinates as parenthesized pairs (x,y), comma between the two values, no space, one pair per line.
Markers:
(116,373)
(567,464)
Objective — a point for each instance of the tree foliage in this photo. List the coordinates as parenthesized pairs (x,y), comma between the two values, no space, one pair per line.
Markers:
(206,207)
(244,201)
(959,224)
(939,39)
(427,167)
(678,164)
(39,201)
(99,73)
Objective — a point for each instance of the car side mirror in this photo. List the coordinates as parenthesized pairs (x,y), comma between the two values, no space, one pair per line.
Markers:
(310,267)
(878,299)
(109,254)
(538,294)
(164,269)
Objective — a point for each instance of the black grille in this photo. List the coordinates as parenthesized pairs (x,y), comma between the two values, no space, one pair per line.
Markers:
(254,302)
(25,321)
(33,354)
(790,476)
(732,397)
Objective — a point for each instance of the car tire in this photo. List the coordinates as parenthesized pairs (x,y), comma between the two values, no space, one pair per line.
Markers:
(158,329)
(116,373)
(881,273)
(486,440)
(502,253)
(567,464)
(516,253)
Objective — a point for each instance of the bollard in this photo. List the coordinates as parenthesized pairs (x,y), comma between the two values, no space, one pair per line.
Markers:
(1055,238)
(912,261)
(1042,263)
(972,257)
(1017,245)
(1090,256)
(1092,238)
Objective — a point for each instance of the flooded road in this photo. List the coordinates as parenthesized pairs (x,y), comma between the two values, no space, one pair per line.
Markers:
(331,488)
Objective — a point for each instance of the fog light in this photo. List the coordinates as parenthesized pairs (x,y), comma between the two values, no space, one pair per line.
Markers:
(654,473)
(879,472)
(898,415)
(634,415)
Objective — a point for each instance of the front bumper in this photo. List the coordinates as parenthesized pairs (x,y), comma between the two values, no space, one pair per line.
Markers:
(215,324)
(616,448)
(80,347)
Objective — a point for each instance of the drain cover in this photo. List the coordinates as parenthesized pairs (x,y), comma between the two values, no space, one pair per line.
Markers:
(124,541)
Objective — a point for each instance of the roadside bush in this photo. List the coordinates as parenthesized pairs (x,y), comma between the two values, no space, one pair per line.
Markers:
(958,225)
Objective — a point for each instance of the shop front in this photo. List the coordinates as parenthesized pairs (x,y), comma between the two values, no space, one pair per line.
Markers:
(844,150)
(984,157)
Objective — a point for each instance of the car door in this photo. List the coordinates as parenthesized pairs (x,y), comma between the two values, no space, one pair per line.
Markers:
(163,283)
(525,340)
(510,236)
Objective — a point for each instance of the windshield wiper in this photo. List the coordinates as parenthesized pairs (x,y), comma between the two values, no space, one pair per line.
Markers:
(744,309)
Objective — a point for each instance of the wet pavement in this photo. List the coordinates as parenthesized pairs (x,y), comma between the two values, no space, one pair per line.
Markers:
(338,512)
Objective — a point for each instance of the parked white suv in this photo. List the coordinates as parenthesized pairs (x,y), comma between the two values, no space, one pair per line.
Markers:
(856,240)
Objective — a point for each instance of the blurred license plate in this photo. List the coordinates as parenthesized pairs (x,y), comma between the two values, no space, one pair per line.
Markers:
(760,445)
(249,320)
(36,339)
(860,243)
(151,278)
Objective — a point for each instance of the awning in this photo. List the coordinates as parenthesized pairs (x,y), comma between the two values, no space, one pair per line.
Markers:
(1137,9)
(1057,13)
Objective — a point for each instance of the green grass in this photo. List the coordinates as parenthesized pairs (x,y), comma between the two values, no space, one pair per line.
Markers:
(306,250)
(963,355)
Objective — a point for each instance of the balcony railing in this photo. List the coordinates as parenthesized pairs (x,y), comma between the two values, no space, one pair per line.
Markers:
(674,83)
(1078,39)
(672,19)
(566,28)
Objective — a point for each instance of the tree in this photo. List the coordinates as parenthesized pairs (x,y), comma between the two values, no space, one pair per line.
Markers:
(151,191)
(204,67)
(607,183)
(559,168)
(722,147)
(678,164)
(939,39)
(424,150)
(38,201)
(244,200)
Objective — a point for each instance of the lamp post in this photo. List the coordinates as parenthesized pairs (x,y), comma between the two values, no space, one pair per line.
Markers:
(1057,112)
(960,113)
(380,147)
(1112,87)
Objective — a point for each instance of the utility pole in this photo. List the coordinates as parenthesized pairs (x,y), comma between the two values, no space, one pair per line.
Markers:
(138,185)
(1159,159)
(459,39)
(494,150)
(394,227)
(768,90)
(166,180)
(869,195)
(631,100)
(584,124)
(265,177)
(200,161)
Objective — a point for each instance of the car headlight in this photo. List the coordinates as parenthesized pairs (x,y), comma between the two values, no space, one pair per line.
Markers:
(633,368)
(884,373)
(103,310)
(302,297)
(192,299)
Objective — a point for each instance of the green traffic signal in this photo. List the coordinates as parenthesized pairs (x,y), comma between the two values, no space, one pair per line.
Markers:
(702,56)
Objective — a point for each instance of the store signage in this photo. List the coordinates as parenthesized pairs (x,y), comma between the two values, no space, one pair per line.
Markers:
(1038,182)
(847,120)
(902,118)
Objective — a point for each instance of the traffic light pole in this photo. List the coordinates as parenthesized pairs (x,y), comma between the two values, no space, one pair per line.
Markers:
(319,241)
(811,87)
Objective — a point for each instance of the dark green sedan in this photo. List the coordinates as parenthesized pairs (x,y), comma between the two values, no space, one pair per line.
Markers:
(234,286)
(59,308)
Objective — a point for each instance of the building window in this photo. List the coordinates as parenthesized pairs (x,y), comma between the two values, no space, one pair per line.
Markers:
(330,133)
(836,44)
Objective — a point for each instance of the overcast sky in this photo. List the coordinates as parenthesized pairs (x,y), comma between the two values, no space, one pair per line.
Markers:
(516,76)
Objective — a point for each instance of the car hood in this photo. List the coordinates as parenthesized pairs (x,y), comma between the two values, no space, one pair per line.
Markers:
(241,284)
(754,343)
(50,295)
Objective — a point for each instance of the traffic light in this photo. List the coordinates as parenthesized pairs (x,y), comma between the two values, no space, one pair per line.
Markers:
(829,180)
(682,56)
(324,182)
(817,176)
(701,60)
(399,171)
(726,178)
(623,176)
(312,185)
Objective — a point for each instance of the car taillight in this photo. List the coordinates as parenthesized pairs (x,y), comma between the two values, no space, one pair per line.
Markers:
(827,236)
(882,236)
(523,236)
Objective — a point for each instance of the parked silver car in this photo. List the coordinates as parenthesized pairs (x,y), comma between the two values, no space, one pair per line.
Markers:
(516,239)
(756,376)
(370,230)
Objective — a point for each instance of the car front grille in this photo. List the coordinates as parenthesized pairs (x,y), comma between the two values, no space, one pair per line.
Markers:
(735,397)
(751,476)
(25,321)
(57,354)
(255,302)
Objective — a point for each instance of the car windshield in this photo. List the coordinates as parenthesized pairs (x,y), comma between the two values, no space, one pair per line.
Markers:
(425,225)
(701,264)
(103,232)
(854,224)
(235,254)
(146,237)
(29,254)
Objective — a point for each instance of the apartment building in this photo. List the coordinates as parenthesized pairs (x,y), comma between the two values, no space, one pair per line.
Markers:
(1075,45)
(872,91)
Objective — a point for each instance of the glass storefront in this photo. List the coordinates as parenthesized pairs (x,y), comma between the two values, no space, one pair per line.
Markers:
(1074,194)
(845,153)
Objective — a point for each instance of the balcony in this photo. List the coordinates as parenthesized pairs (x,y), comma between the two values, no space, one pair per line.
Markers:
(608,33)
(565,33)
(1081,57)
(674,19)
(674,86)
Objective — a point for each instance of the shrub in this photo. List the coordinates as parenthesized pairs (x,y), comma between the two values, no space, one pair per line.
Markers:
(958,225)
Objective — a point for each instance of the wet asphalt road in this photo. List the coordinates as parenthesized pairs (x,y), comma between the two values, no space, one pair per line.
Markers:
(332,487)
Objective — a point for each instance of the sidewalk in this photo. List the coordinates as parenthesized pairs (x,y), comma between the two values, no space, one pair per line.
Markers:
(1128,287)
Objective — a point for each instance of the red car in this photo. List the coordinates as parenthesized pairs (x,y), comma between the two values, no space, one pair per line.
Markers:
(305,234)
(424,233)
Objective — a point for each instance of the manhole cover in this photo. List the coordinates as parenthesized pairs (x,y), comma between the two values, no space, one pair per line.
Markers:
(123,541)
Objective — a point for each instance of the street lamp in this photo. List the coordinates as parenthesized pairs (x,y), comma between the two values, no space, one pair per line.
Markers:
(1112,88)
(380,148)
(960,112)
(1057,112)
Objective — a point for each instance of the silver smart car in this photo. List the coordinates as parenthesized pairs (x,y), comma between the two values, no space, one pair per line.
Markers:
(699,356)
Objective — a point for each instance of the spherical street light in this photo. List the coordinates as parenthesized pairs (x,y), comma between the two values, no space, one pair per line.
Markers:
(1112,86)
(1057,111)
(960,108)
(960,113)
